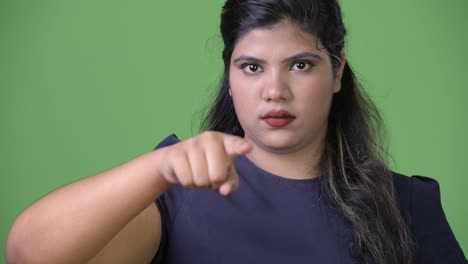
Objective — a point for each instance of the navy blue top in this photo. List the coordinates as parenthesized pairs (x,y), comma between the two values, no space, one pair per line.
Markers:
(272,219)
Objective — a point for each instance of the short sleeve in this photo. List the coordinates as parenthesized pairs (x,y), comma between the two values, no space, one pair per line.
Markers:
(168,204)
(435,239)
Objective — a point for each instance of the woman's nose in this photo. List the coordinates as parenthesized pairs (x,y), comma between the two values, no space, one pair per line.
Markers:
(276,87)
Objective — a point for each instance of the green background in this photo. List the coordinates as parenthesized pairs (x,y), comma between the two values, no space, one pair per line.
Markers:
(87,85)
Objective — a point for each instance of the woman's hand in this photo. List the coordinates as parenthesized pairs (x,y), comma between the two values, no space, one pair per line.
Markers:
(205,160)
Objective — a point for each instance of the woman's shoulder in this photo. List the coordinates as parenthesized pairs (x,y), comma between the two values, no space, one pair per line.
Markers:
(169,140)
(417,181)
(416,190)
(426,185)
(419,200)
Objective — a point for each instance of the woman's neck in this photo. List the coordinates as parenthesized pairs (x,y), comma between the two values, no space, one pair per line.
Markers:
(299,164)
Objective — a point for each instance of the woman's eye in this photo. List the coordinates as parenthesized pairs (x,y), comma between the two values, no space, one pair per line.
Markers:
(251,68)
(300,66)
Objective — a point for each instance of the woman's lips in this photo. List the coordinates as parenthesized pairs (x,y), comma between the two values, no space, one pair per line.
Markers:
(278,118)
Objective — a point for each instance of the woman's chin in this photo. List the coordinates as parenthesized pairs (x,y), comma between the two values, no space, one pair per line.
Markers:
(280,145)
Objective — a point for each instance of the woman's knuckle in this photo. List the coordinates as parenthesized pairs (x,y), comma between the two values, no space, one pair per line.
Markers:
(186,181)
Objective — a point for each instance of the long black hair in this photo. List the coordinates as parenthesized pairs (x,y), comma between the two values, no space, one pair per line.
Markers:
(357,180)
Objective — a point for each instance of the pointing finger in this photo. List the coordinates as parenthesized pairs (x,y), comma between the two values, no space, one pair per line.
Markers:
(235,146)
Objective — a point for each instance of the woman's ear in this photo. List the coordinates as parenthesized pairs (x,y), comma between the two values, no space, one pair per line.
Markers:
(339,73)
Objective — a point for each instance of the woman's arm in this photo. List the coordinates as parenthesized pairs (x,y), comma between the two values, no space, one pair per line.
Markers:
(73,223)
(111,215)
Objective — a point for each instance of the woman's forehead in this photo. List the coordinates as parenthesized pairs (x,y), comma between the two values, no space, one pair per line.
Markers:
(284,37)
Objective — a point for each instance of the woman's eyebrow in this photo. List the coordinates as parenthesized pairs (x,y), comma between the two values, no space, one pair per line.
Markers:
(302,55)
(297,56)
(248,58)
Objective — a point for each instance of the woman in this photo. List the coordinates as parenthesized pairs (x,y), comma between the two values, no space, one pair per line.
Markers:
(293,145)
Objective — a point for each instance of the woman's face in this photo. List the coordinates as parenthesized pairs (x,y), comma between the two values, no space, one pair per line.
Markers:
(282,84)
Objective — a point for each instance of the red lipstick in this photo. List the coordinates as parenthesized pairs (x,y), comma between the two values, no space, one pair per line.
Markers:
(278,118)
